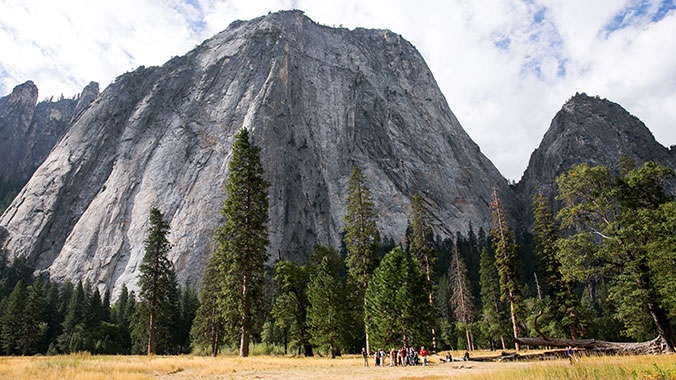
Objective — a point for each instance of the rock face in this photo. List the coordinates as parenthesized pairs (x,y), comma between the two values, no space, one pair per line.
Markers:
(28,132)
(317,100)
(592,130)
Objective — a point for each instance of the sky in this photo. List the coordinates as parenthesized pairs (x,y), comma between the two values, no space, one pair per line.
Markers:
(505,67)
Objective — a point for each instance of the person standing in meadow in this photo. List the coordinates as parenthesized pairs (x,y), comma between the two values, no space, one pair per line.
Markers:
(365,356)
(423,354)
(393,357)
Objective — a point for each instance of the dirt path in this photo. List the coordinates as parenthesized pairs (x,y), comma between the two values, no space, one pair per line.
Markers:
(338,372)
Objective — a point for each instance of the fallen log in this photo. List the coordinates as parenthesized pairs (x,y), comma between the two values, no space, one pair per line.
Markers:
(655,346)
(513,356)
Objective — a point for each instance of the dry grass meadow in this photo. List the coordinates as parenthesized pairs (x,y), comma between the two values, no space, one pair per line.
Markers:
(85,366)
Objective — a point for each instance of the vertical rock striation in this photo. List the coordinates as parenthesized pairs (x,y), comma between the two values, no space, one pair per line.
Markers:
(28,132)
(317,101)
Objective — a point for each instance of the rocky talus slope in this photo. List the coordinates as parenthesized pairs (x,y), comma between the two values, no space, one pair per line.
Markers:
(316,99)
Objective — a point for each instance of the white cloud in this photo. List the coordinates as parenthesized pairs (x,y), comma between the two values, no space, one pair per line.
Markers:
(505,67)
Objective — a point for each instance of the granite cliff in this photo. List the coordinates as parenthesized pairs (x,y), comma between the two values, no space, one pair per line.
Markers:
(29,131)
(316,99)
(592,130)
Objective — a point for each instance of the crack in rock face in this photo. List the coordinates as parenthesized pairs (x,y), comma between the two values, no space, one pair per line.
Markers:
(317,101)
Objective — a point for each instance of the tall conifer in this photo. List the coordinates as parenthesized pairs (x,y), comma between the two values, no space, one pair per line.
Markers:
(361,237)
(242,242)
(208,326)
(421,249)
(461,295)
(396,302)
(507,263)
(12,323)
(566,304)
(326,315)
(493,315)
(155,279)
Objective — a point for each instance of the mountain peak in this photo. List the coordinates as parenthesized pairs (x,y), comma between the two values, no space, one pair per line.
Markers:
(587,130)
(317,101)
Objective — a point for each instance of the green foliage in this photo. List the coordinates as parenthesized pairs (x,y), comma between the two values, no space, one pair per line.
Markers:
(290,306)
(361,234)
(420,246)
(241,243)
(327,316)
(13,325)
(396,303)
(153,317)
(622,228)
(188,305)
(494,324)
(71,339)
(362,240)
(208,326)
(461,296)
(507,264)
(564,305)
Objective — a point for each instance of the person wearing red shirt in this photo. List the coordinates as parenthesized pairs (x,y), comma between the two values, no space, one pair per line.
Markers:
(423,354)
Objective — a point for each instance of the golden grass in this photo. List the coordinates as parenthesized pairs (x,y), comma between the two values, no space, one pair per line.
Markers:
(85,366)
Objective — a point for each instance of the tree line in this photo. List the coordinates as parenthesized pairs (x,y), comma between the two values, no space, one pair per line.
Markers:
(602,267)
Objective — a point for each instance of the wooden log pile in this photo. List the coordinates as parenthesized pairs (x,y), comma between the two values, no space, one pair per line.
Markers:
(655,346)
(580,346)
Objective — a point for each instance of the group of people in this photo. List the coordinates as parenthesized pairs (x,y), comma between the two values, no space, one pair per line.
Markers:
(405,356)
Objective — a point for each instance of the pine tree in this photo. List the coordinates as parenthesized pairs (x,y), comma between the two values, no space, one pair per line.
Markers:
(35,319)
(290,306)
(241,242)
(421,249)
(361,238)
(71,340)
(507,263)
(155,280)
(122,318)
(493,313)
(566,304)
(105,304)
(326,315)
(188,307)
(12,322)
(208,326)
(396,302)
(94,311)
(461,295)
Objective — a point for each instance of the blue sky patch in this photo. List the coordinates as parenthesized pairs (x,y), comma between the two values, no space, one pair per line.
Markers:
(638,12)
(539,16)
(663,10)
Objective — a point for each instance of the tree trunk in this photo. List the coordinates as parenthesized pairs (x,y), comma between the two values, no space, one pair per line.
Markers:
(431,298)
(215,341)
(307,349)
(244,342)
(286,343)
(151,333)
(366,329)
(469,342)
(515,328)
(662,324)
(502,340)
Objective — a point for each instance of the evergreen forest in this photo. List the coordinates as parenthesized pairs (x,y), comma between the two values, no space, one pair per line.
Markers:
(601,267)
